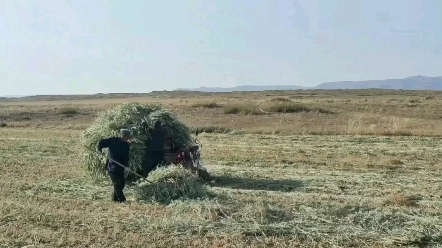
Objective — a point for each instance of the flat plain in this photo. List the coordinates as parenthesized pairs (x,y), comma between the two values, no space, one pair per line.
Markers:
(291,169)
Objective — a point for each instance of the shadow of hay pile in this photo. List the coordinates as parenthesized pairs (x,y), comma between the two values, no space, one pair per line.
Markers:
(256,184)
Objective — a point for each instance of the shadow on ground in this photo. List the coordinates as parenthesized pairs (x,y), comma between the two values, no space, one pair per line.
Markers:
(256,184)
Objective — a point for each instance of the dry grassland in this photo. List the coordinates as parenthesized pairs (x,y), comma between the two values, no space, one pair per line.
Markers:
(291,169)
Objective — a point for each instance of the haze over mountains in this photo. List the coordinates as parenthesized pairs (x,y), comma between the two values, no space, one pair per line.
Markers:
(409,83)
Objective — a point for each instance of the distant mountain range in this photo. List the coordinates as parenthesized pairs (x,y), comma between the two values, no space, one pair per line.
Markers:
(245,88)
(409,83)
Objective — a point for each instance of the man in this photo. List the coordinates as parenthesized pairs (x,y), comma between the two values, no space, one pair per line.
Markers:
(155,148)
(119,148)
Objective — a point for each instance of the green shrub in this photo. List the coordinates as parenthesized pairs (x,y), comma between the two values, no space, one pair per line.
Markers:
(211,129)
(241,109)
(68,111)
(280,99)
(292,107)
(206,105)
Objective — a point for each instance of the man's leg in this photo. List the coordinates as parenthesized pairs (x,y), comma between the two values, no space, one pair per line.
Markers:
(114,180)
(153,159)
(147,165)
(118,182)
(161,158)
(120,187)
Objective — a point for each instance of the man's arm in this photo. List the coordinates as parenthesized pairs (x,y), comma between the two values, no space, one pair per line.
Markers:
(104,143)
(126,158)
(166,134)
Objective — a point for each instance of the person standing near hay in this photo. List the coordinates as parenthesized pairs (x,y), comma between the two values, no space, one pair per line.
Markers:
(119,148)
(155,153)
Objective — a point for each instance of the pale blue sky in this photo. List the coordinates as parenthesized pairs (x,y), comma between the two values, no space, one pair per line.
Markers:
(99,46)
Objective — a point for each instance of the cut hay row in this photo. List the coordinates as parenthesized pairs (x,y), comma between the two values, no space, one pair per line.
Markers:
(140,118)
(167,184)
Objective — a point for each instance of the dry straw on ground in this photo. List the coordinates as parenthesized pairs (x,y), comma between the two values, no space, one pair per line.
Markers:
(288,190)
(167,184)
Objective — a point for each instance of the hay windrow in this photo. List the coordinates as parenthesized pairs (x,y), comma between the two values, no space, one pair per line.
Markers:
(167,184)
(140,118)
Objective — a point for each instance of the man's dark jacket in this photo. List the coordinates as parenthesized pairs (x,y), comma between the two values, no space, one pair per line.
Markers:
(118,151)
(157,139)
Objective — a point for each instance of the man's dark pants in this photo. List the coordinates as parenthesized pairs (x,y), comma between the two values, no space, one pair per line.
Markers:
(152,160)
(119,182)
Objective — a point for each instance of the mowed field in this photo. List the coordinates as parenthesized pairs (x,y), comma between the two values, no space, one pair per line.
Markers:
(291,169)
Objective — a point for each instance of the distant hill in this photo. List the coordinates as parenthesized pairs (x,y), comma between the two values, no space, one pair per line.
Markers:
(10,96)
(245,88)
(409,83)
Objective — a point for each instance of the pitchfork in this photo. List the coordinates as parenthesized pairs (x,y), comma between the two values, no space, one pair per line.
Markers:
(125,167)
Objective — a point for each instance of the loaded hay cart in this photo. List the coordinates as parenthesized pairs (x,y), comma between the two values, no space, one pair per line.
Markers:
(188,157)
(181,147)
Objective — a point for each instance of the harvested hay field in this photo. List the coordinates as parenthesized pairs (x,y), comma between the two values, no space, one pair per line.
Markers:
(268,190)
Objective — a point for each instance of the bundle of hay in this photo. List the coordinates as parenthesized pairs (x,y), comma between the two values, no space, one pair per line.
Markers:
(139,118)
(167,184)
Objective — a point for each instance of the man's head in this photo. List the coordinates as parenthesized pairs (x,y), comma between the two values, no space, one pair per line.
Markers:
(126,134)
(158,124)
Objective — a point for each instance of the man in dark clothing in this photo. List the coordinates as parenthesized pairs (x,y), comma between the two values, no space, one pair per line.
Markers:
(155,148)
(119,148)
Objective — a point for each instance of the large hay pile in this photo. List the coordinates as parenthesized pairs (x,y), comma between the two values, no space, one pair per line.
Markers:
(140,118)
(167,184)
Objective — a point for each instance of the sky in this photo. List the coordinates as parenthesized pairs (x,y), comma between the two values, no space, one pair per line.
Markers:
(109,46)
